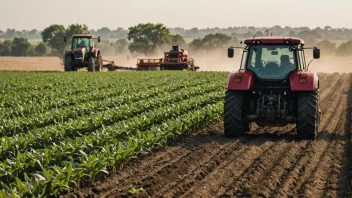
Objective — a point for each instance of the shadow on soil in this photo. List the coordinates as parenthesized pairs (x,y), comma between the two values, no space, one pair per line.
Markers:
(214,134)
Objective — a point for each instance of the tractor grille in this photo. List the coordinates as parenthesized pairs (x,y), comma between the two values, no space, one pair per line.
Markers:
(78,55)
(173,55)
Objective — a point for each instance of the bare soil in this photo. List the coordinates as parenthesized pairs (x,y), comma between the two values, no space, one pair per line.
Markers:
(268,162)
(211,62)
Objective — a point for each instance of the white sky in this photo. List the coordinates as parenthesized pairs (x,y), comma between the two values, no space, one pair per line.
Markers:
(29,14)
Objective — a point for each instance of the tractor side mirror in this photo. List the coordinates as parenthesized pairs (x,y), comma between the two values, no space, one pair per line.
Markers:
(316,53)
(65,39)
(98,39)
(230,52)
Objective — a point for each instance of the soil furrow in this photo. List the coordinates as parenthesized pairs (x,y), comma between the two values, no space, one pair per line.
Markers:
(310,156)
(231,168)
(316,183)
(267,162)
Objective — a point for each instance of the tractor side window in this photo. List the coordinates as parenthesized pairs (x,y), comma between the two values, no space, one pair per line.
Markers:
(301,56)
(304,60)
(244,58)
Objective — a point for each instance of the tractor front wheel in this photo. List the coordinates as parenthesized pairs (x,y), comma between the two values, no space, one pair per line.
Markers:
(234,122)
(91,64)
(99,65)
(308,114)
(68,63)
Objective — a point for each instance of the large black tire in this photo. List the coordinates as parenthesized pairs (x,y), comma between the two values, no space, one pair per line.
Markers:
(99,65)
(68,64)
(234,122)
(308,114)
(91,64)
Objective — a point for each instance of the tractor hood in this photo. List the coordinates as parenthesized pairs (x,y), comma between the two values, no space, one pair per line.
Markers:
(79,54)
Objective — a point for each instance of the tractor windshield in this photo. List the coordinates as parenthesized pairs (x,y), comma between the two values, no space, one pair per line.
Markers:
(271,61)
(80,42)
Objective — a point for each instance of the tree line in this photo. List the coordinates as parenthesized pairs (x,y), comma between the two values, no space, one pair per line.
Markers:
(326,33)
(150,39)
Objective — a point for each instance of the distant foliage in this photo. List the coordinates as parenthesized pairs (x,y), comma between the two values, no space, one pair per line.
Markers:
(53,37)
(345,49)
(5,48)
(327,48)
(212,42)
(41,49)
(76,29)
(121,46)
(20,47)
(151,39)
(177,40)
(147,38)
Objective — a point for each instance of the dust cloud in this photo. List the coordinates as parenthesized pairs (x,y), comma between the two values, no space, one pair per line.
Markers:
(207,62)
(218,62)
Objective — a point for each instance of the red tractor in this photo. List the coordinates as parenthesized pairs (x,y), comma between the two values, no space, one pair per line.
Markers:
(83,54)
(273,87)
(175,59)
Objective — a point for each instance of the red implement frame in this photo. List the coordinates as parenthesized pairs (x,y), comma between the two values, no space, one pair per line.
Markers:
(149,62)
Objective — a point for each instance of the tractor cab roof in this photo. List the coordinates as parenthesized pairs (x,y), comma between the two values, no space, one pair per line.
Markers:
(84,35)
(273,40)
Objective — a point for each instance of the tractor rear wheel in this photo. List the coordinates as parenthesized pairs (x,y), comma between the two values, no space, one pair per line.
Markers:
(68,63)
(91,64)
(234,122)
(308,114)
(99,65)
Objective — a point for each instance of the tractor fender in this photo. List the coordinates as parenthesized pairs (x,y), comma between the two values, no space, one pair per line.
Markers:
(96,51)
(311,84)
(246,83)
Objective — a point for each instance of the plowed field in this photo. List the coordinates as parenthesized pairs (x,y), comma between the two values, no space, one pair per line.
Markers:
(268,162)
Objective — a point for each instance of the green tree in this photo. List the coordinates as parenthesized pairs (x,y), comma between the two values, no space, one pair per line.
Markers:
(121,46)
(54,34)
(327,48)
(212,42)
(292,33)
(41,49)
(20,47)
(259,34)
(5,48)
(177,40)
(345,49)
(309,33)
(196,44)
(146,38)
(106,47)
(53,37)
(76,29)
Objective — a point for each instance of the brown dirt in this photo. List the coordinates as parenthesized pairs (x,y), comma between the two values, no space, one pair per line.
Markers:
(9,63)
(30,63)
(211,62)
(269,162)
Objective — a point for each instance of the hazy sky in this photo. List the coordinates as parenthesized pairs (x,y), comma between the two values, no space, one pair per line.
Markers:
(29,14)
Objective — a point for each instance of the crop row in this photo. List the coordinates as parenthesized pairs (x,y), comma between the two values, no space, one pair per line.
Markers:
(18,104)
(50,151)
(39,138)
(9,127)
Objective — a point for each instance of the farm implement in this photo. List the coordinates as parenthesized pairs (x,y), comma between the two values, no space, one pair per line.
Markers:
(175,59)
